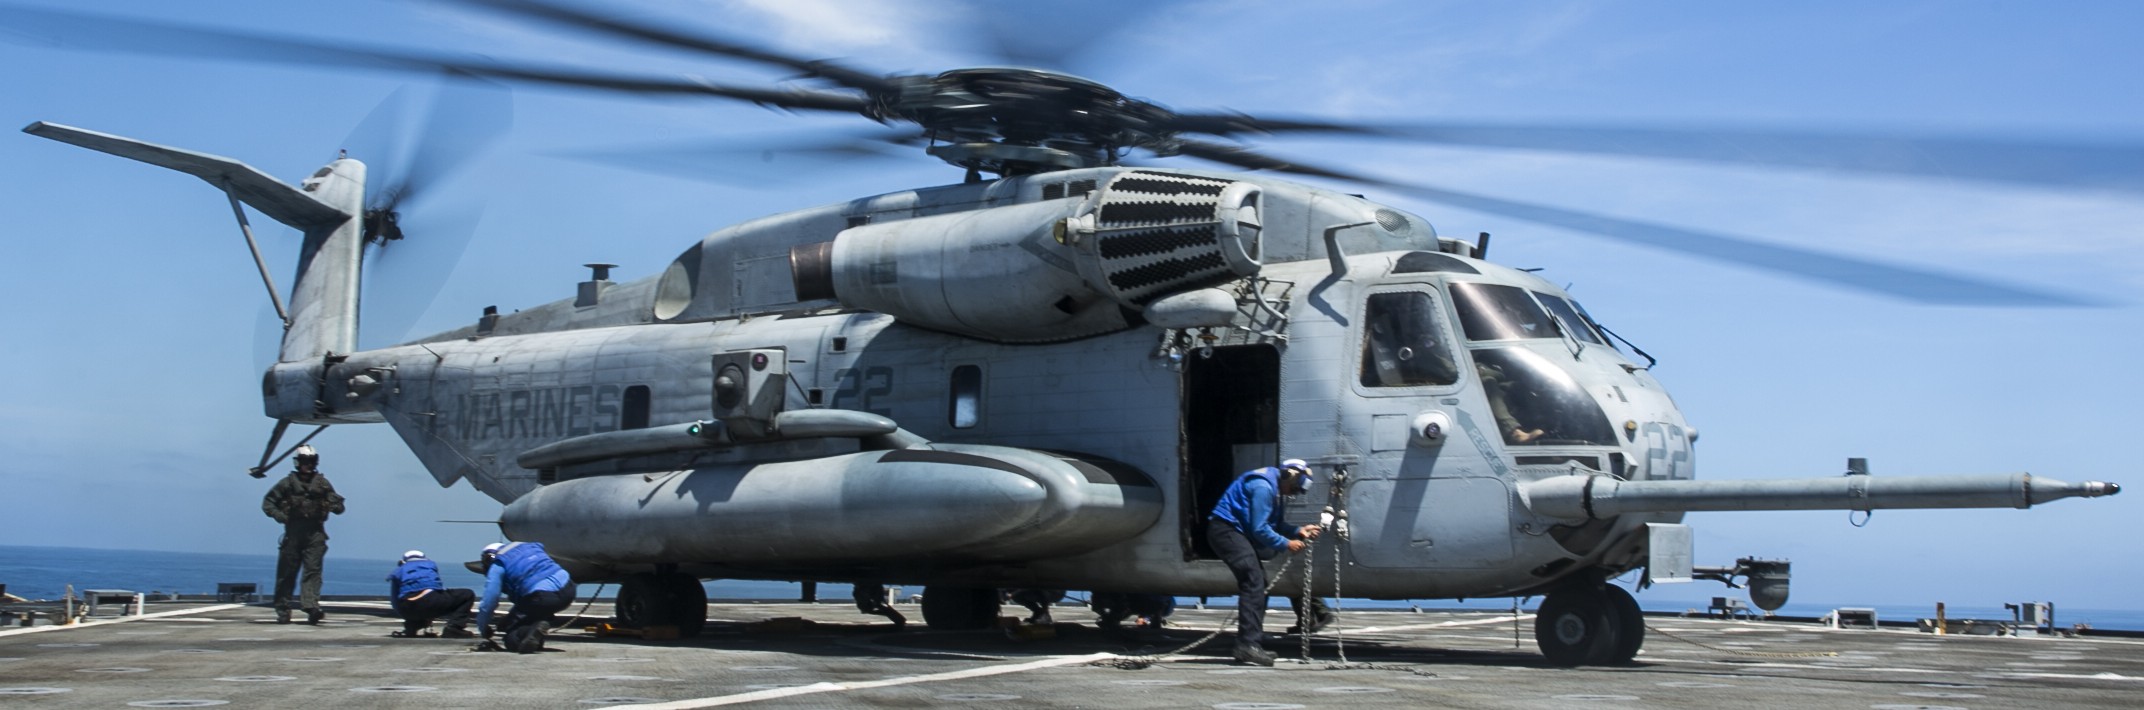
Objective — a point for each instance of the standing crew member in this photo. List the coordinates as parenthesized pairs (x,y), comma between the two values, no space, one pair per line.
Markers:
(1244,529)
(302,502)
(537,585)
(419,596)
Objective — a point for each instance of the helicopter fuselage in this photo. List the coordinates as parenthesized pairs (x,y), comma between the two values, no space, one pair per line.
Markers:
(1343,368)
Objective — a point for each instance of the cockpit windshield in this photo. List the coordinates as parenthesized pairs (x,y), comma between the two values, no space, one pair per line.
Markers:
(1404,346)
(1537,402)
(1500,312)
(1567,314)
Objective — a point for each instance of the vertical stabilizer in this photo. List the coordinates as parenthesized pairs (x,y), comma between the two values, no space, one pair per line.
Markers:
(326,206)
(323,302)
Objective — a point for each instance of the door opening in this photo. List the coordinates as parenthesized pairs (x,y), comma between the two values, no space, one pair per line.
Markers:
(1231,424)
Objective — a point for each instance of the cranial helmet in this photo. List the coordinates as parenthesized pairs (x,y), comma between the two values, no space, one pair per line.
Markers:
(412,555)
(1296,470)
(306,454)
(493,548)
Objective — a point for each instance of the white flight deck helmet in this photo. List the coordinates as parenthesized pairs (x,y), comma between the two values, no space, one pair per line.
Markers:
(493,548)
(412,555)
(1296,470)
(306,455)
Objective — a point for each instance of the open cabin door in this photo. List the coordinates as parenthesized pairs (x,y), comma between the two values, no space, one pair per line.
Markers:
(1231,424)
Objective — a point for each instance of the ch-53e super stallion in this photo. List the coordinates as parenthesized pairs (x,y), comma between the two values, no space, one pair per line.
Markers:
(1040,377)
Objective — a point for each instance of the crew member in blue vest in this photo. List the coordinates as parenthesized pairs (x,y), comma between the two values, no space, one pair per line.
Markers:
(537,585)
(1244,529)
(420,597)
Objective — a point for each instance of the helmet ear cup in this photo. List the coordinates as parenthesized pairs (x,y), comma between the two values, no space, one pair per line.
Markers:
(1296,478)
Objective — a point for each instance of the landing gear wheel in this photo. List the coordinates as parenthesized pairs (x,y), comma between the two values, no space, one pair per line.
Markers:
(663,599)
(1629,623)
(1576,626)
(688,603)
(642,602)
(959,608)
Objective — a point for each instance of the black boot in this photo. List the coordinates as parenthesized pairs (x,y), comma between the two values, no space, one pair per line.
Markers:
(531,640)
(1253,654)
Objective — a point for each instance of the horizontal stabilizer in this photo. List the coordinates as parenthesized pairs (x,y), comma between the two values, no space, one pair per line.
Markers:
(280,201)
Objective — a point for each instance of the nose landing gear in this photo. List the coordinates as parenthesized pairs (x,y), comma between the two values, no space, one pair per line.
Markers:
(1594,624)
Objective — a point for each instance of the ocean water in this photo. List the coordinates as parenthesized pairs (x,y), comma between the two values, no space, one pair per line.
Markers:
(44,573)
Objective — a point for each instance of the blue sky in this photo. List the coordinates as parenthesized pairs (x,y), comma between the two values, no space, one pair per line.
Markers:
(134,317)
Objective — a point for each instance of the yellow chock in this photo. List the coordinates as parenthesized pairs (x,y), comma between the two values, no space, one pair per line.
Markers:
(1031,632)
(781,625)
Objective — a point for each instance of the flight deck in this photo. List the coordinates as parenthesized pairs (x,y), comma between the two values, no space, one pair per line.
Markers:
(827,655)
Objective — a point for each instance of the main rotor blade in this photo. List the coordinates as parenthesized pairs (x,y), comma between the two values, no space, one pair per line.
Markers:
(1223,123)
(615,26)
(85,31)
(757,162)
(2118,167)
(1900,282)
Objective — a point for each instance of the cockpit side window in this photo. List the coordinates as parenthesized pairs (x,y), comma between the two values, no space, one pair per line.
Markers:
(1500,312)
(1568,316)
(1402,343)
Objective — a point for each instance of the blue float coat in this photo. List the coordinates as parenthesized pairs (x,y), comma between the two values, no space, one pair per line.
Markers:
(519,570)
(1255,496)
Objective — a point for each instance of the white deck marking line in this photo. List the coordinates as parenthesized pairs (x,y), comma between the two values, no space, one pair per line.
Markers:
(1805,666)
(86,624)
(774,693)
(2080,676)
(1438,625)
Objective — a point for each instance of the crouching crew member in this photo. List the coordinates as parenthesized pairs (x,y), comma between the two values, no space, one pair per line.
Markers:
(538,587)
(1245,528)
(420,597)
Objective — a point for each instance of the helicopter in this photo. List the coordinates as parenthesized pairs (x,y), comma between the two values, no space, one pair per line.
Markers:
(1062,361)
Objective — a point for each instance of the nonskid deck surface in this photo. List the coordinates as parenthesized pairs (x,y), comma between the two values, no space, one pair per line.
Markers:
(202,655)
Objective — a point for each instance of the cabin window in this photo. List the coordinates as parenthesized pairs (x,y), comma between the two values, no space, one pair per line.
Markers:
(1402,343)
(635,412)
(1499,312)
(1568,317)
(967,401)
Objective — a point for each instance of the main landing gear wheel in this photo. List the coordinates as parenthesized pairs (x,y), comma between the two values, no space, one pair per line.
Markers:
(1629,625)
(688,603)
(1576,626)
(664,599)
(959,608)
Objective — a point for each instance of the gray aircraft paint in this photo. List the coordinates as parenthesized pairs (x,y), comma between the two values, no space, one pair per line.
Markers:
(1433,517)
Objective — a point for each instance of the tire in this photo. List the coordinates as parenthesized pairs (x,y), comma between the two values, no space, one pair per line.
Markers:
(1629,623)
(1576,627)
(688,603)
(642,602)
(959,608)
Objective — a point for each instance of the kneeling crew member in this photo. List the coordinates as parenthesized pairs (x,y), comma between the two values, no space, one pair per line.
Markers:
(1244,529)
(537,585)
(419,597)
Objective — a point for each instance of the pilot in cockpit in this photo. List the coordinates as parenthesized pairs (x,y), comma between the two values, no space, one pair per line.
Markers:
(1493,385)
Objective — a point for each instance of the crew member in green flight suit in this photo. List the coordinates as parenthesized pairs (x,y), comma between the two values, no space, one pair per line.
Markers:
(302,502)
